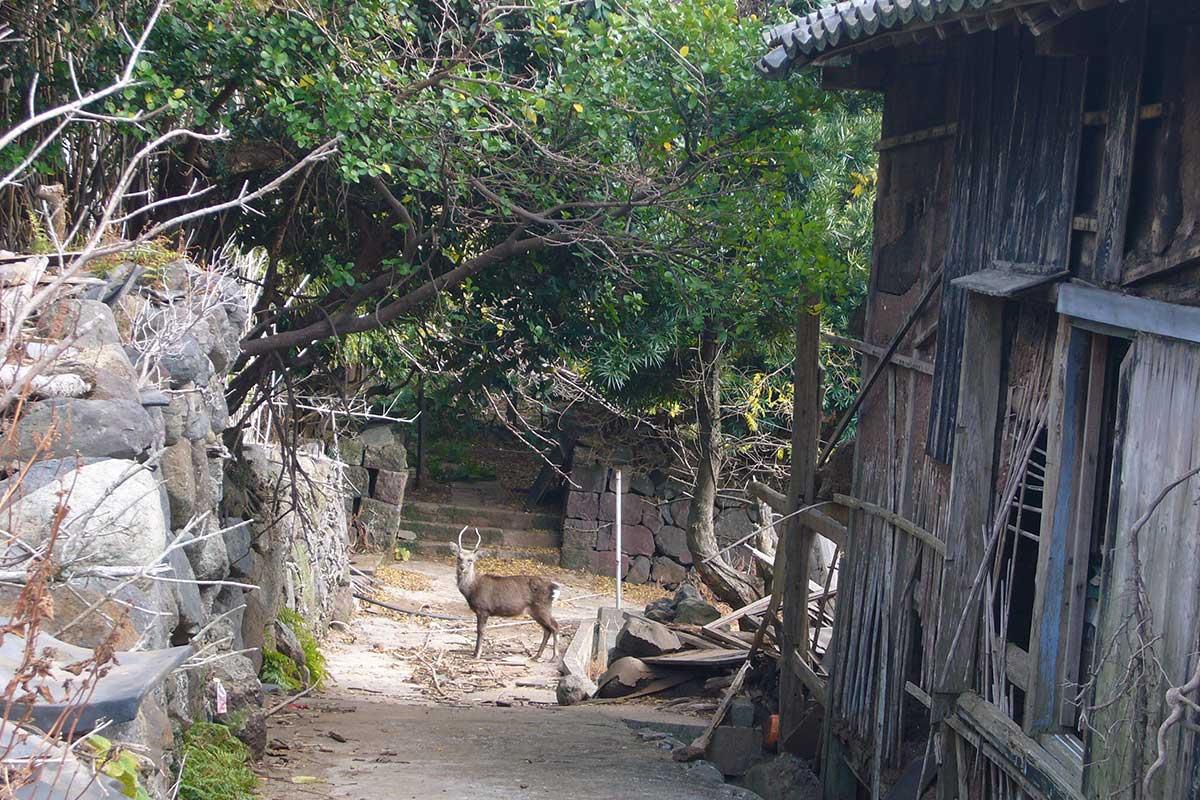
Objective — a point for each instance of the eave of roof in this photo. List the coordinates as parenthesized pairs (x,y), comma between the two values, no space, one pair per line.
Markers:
(835,28)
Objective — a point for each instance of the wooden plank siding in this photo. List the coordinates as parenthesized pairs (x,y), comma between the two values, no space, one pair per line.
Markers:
(1159,440)
(1017,152)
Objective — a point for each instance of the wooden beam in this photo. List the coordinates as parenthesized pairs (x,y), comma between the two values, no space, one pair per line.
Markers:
(1016,666)
(790,587)
(814,518)
(1003,741)
(1148,111)
(917,137)
(1126,312)
(875,351)
(1127,52)
(895,519)
(970,504)
(811,680)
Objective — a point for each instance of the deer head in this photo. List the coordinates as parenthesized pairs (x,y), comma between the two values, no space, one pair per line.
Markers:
(466,558)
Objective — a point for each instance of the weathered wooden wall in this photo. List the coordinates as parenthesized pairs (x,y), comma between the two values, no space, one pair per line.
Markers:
(1014,184)
(1079,152)
(889,574)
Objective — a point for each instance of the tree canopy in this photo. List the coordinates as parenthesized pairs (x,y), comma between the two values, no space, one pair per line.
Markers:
(514,186)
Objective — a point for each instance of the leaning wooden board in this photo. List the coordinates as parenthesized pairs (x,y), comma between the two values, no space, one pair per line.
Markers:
(716,657)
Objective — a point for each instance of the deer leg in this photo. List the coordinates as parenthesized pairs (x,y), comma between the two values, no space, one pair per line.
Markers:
(480,622)
(549,628)
(542,646)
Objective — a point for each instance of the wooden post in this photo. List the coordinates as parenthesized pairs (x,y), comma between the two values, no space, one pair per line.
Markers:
(969,515)
(797,541)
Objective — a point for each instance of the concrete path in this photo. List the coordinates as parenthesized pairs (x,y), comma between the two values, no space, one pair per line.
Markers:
(421,718)
(396,751)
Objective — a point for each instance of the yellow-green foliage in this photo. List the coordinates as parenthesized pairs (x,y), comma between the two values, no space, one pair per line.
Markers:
(314,659)
(216,766)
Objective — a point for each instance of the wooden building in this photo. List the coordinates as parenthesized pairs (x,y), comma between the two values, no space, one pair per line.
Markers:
(1037,249)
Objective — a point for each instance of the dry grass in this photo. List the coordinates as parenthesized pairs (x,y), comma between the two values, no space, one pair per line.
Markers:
(405,579)
(641,594)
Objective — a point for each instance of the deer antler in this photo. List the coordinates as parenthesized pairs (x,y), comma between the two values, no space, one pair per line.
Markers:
(460,533)
(478,540)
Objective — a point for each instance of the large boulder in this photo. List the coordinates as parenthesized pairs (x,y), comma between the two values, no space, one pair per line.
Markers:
(635,540)
(186,362)
(603,562)
(113,518)
(118,429)
(734,523)
(591,478)
(784,777)
(577,544)
(667,572)
(390,486)
(677,512)
(639,570)
(661,610)
(96,353)
(381,521)
(644,638)
(383,447)
(180,481)
(207,554)
(309,539)
(695,612)
(357,481)
(244,702)
(583,505)
(672,541)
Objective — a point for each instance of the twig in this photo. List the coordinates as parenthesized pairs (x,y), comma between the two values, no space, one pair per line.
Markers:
(279,706)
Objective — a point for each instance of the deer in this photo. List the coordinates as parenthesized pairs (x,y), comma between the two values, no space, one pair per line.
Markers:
(506,596)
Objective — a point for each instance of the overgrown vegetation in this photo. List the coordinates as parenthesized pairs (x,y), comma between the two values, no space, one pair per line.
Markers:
(279,670)
(314,659)
(216,765)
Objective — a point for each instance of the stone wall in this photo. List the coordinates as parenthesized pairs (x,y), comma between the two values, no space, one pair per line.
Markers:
(127,426)
(376,476)
(654,512)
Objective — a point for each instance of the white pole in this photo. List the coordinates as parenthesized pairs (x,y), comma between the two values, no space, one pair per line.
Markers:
(617,526)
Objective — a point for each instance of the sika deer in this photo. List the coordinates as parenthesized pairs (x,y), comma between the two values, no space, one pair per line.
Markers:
(506,596)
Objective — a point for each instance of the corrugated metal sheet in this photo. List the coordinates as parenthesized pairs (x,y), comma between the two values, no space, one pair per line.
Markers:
(843,24)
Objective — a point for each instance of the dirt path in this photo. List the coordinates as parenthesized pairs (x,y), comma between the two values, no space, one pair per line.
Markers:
(409,714)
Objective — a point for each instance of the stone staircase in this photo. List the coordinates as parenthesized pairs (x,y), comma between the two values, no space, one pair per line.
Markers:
(506,532)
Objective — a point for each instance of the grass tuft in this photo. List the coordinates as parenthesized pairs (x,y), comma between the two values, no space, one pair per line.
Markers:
(216,766)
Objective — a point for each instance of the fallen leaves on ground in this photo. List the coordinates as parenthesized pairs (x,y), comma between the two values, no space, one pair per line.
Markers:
(403,579)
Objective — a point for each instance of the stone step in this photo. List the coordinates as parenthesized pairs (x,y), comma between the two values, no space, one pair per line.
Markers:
(448,532)
(491,517)
(545,555)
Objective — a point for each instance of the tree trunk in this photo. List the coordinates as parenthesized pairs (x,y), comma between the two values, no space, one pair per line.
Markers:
(724,581)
